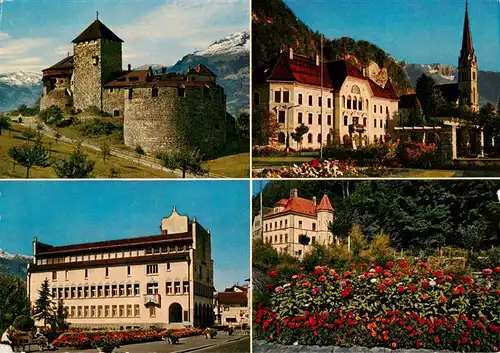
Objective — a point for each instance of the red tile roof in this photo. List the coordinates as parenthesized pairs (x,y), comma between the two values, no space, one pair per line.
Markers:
(232,298)
(203,70)
(304,70)
(325,204)
(301,206)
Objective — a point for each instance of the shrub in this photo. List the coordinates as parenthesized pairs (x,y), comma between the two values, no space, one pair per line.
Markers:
(23,323)
(364,156)
(265,151)
(98,127)
(51,115)
(417,154)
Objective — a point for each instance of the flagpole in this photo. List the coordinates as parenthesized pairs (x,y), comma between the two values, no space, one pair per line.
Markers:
(322,100)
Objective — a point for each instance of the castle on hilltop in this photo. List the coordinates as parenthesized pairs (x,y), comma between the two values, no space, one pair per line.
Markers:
(160,110)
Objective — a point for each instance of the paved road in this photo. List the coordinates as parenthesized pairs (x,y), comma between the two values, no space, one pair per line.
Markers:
(221,343)
(49,132)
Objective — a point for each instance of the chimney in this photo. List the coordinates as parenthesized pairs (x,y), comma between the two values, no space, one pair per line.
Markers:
(129,67)
(314,200)
(291,53)
(294,193)
(317,60)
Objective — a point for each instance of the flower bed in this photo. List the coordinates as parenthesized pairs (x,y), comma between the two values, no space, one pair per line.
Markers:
(84,340)
(313,169)
(395,306)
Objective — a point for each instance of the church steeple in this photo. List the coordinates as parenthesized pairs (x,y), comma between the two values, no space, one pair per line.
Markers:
(467,68)
(467,47)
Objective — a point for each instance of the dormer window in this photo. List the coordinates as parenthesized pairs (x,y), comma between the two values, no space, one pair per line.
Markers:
(95,60)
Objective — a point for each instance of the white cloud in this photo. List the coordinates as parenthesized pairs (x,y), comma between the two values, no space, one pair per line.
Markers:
(64,50)
(32,60)
(18,47)
(4,35)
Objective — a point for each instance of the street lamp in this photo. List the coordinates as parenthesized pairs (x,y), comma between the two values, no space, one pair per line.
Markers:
(188,260)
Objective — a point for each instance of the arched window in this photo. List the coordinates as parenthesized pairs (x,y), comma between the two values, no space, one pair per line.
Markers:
(256,98)
(281,137)
(355,89)
(343,101)
(319,138)
(360,104)
(348,102)
(310,138)
(354,103)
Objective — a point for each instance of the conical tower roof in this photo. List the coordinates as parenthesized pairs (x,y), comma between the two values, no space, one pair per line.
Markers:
(325,204)
(467,47)
(97,30)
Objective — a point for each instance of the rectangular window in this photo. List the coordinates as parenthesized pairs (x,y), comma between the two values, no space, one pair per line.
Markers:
(152,269)
(152,288)
(79,311)
(286,97)
(329,102)
(329,120)
(277,96)
(186,286)
(129,310)
(107,272)
(73,311)
(128,271)
(152,311)
(114,290)
(186,316)
(54,275)
(281,117)
(86,274)
(130,93)
(300,99)
(66,275)
(137,289)
(122,290)
(93,292)
(169,288)
(374,108)
(310,119)
(374,122)
(122,310)
(310,100)
(99,291)
(86,311)
(177,287)
(364,121)
(346,120)
(300,118)
(114,311)
(300,224)
(92,311)
(107,291)
(99,311)
(319,119)
(86,292)
(137,310)
(168,266)
(314,226)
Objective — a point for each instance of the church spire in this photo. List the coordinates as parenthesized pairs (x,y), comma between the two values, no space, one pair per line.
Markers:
(467,47)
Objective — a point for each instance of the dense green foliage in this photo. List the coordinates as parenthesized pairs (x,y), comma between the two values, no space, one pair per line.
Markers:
(53,115)
(44,305)
(275,26)
(5,123)
(186,161)
(77,165)
(415,214)
(23,323)
(30,155)
(99,127)
(13,299)
(26,111)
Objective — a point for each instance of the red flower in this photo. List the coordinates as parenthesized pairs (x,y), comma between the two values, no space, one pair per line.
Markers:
(307,284)
(418,344)
(436,340)
(425,285)
(412,288)
(477,342)
(382,287)
(487,271)
(443,299)
(497,269)
(321,278)
(274,273)
(403,264)
(401,289)
(378,269)
(315,163)
(438,273)
(318,270)
(465,340)
(389,264)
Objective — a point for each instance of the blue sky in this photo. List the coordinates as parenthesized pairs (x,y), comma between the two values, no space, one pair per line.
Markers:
(35,34)
(61,213)
(419,31)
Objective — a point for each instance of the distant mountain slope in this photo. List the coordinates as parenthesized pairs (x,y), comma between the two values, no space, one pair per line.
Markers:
(229,59)
(275,26)
(14,264)
(18,88)
(488,81)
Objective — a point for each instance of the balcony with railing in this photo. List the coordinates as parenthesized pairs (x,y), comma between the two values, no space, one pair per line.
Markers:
(152,299)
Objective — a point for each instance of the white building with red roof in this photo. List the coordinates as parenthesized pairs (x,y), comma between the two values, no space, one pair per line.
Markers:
(295,217)
(336,100)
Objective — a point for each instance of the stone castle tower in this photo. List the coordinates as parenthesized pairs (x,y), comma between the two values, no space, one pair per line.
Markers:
(467,68)
(97,56)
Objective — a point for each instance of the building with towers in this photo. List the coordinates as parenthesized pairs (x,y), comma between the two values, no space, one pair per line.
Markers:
(164,280)
(160,110)
(295,219)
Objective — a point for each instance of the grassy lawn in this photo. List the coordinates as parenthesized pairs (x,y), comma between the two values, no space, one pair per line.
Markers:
(59,151)
(277,162)
(235,166)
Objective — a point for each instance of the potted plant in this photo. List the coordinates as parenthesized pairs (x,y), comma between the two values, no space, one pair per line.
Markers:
(210,333)
(105,345)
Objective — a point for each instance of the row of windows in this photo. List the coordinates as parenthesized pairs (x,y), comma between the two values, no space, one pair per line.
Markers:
(285,224)
(284,97)
(278,239)
(165,249)
(310,138)
(355,121)
(102,311)
(353,103)
(150,270)
(175,287)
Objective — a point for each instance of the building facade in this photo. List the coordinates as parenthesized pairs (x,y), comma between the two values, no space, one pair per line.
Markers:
(337,101)
(163,280)
(232,306)
(161,111)
(296,217)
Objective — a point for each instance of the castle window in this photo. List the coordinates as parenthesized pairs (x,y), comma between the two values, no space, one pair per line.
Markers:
(319,119)
(329,103)
(256,98)
(349,102)
(329,120)
(346,120)
(281,116)
(181,92)
(154,92)
(130,93)
(300,118)
(310,100)
(116,112)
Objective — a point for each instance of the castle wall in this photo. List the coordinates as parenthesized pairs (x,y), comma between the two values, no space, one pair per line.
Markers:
(56,91)
(111,53)
(113,100)
(168,121)
(87,74)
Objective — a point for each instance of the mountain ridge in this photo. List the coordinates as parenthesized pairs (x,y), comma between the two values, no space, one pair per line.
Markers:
(14,264)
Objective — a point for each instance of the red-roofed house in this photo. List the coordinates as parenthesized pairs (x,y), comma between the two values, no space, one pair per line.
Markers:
(336,100)
(232,306)
(290,218)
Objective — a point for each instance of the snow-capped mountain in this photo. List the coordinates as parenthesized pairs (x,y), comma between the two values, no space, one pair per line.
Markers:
(21,78)
(234,44)
(18,88)
(14,264)
(488,81)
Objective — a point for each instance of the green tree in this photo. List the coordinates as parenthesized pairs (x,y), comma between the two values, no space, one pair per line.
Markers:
(243,126)
(23,323)
(76,166)
(105,150)
(187,161)
(431,98)
(300,131)
(5,123)
(13,299)
(264,126)
(53,115)
(44,306)
(59,318)
(30,155)
(29,134)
